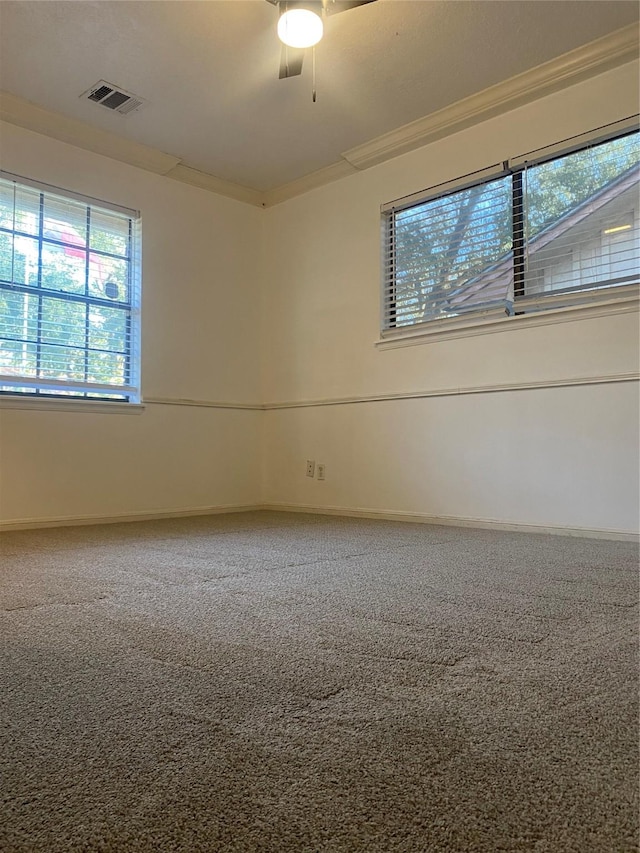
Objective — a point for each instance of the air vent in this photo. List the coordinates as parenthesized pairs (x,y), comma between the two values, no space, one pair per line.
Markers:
(113,98)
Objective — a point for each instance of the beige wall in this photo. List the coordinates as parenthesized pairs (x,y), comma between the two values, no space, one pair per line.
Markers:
(555,457)
(243,306)
(199,303)
(74,466)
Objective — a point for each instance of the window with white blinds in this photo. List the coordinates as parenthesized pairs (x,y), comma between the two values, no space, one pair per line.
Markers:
(69,295)
(539,234)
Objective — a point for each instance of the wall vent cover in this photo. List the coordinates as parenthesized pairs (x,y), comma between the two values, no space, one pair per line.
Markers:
(113,98)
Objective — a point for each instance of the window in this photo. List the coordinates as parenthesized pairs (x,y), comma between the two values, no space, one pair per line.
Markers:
(69,295)
(544,233)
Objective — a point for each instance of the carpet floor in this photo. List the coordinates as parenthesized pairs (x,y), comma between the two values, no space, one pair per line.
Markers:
(297,684)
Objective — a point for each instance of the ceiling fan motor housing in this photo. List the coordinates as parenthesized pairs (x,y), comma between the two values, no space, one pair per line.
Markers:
(293,46)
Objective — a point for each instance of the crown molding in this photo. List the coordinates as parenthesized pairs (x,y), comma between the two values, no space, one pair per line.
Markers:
(17,111)
(205,181)
(616,49)
(309,182)
(32,117)
(25,114)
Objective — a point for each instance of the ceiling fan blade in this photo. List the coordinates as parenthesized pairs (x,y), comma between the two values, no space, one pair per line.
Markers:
(290,61)
(333,7)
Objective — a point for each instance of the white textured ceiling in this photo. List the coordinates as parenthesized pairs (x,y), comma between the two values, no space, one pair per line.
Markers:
(209,70)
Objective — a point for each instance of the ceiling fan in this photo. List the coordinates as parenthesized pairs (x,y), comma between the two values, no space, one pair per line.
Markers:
(300,27)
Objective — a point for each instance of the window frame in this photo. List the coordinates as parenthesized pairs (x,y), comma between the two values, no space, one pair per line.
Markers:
(606,299)
(49,392)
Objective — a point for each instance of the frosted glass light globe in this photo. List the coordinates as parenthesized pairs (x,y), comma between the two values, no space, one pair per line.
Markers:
(300,28)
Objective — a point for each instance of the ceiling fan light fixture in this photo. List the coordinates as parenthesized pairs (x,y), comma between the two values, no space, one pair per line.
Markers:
(300,28)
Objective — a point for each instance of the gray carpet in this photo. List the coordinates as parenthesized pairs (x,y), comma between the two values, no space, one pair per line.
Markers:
(274,682)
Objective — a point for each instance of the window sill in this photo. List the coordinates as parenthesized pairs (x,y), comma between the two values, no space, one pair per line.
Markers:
(458,327)
(52,405)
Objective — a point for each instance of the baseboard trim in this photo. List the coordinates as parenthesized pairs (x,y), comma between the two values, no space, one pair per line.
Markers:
(311,509)
(82,520)
(456,521)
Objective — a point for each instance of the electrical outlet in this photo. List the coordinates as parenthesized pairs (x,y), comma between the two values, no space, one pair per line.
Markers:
(311,467)
(321,470)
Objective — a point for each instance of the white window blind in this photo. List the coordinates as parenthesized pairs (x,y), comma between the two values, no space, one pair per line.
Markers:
(436,250)
(581,225)
(69,294)
(546,234)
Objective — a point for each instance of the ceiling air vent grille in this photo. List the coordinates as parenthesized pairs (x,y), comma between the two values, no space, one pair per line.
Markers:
(113,98)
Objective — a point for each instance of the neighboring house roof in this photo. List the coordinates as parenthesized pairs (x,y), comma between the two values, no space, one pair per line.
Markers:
(496,280)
